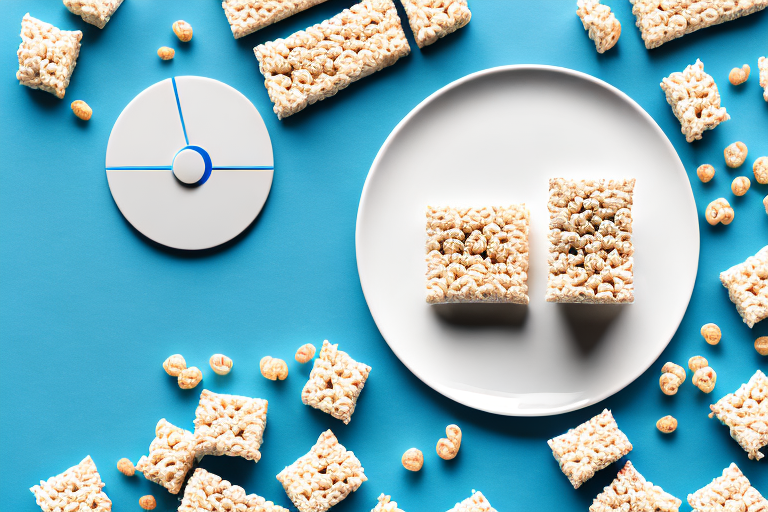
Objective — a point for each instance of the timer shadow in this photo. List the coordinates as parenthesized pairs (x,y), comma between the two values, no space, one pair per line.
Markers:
(589,322)
(474,315)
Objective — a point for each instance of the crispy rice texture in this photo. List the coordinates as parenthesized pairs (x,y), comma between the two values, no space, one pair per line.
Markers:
(78,489)
(747,285)
(206,492)
(386,504)
(475,503)
(95,12)
(171,456)
(600,23)
(730,492)
(630,492)
(247,16)
(745,412)
(432,19)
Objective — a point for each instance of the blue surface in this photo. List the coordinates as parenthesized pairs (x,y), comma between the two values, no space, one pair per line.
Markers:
(89,308)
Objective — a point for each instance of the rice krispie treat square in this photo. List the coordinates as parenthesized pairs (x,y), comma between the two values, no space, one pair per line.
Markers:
(47,56)
(475,503)
(477,254)
(229,425)
(335,383)
(695,100)
(745,412)
(762,66)
(590,241)
(95,12)
(386,504)
(747,285)
(732,491)
(323,477)
(171,456)
(78,489)
(247,16)
(590,447)
(600,23)
(206,492)
(432,19)
(630,492)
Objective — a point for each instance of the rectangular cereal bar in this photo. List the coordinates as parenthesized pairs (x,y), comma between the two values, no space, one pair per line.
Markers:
(431,20)
(323,477)
(600,23)
(747,285)
(47,56)
(475,503)
(229,425)
(477,254)
(171,456)
(629,491)
(206,492)
(316,63)
(590,241)
(660,22)
(590,447)
(335,383)
(95,12)
(386,504)
(76,489)
(247,16)
(732,491)
(745,412)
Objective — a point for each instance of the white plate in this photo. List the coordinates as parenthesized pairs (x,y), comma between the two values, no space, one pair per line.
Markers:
(494,138)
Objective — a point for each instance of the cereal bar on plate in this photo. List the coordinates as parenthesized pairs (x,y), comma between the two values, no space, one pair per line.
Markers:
(95,12)
(475,503)
(432,19)
(247,16)
(630,492)
(747,285)
(206,492)
(171,456)
(732,491)
(77,489)
(745,412)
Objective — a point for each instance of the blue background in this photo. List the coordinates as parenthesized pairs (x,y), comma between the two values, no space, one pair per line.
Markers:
(89,308)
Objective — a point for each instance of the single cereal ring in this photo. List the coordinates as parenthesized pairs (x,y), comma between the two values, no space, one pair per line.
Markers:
(675,369)
(711,333)
(738,76)
(174,365)
(697,362)
(704,379)
(667,424)
(82,109)
(740,185)
(147,502)
(719,211)
(761,345)
(183,31)
(190,377)
(705,173)
(273,368)
(735,154)
(166,53)
(448,448)
(760,169)
(220,364)
(413,459)
(669,383)
(305,353)
(126,467)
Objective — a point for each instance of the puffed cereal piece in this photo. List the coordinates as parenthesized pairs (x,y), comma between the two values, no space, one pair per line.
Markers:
(323,477)
(667,424)
(229,425)
(738,76)
(590,447)
(190,377)
(126,467)
(477,254)
(697,362)
(448,447)
(171,456)
(82,110)
(711,333)
(273,368)
(247,16)
(412,459)
(174,365)
(669,383)
(148,502)
(600,23)
(760,170)
(220,364)
(675,369)
(95,12)
(704,379)
(761,345)
(590,241)
(745,413)
(747,285)
(735,154)
(386,504)
(305,353)
(705,173)
(335,383)
(430,20)
(762,65)
(183,30)
(740,185)
(47,56)
(314,64)
(732,491)
(719,211)
(695,100)
(166,53)
(207,492)
(78,488)
(630,492)
(660,22)
(475,503)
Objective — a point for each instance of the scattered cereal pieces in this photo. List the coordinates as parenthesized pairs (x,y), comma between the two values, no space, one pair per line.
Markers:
(171,456)
(166,53)
(705,173)
(229,425)
(704,379)
(190,377)
(147,502)
(732,491)
(79,487)
(207,492)
(413,459)
(697,362)
(711,333)
(126,467)
(695,100)
(430,20)
(762,65)
(630,492)
(590,447)
(761,345)
(590,241)
(735,154)
(335,383)
(600,23)
(675,369)
(669,383)
(220,364)
(323,477)
(477,254)
(738,76)
(667,424)
(247,16)
(448,447)
(47,56)
(740,185)
(183,30)
(305,353)
(744,412)
(81,109)
(273,368)
(747,285)
(719,211)
(760,169)
(386,504)
(174,365)
(475,503)
(95,12)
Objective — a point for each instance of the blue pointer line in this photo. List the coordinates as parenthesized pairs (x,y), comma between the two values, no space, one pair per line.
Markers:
(178,104)
(141,168)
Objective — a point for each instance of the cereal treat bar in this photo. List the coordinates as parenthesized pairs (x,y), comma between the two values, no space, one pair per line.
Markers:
(47,56)
(432,19)
(171,456)
(247,16)
(95,12)
(475,503)
(78,489)
(386,504)
(323,477)
(695,100)
(732,491)
(229,425)
(745,412)
(747,285)
(762,65)
(660,22)
(590,447)
(206,492)
(316,63)
(630,492)
(335,382)
(477,254)
(590,241)
(598,20)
